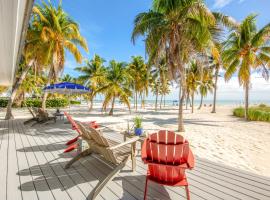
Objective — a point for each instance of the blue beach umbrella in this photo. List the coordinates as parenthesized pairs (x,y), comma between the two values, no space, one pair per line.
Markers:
(66,88)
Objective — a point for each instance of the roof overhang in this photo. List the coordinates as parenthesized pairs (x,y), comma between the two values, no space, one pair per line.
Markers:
(14,19)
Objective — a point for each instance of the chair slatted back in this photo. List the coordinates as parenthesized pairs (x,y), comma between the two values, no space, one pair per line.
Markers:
(165,151)
(72,122)
(101,143)
(43,114)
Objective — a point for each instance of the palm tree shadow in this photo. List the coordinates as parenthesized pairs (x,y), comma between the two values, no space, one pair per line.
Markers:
(133,185)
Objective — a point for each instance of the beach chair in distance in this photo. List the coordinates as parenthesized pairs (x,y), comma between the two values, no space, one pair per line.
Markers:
(115,154)
(167,155)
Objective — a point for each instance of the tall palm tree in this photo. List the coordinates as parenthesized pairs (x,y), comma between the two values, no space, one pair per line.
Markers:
(93,75)
(35,55)
(247,48)
(159,77)
(206,84)
(139,71)
(164,90)
(216,62)
(116,85)
(192,80)
(60,33)
(179,28)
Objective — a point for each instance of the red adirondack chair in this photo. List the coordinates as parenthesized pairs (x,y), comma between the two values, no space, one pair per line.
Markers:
(72,143)
(168,156)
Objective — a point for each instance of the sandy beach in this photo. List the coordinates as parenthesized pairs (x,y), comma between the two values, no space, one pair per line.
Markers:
(217,137)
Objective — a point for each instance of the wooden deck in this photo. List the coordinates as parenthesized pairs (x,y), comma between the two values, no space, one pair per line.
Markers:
(32,168)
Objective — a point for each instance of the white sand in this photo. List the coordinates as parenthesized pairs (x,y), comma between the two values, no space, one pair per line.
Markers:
(217,137)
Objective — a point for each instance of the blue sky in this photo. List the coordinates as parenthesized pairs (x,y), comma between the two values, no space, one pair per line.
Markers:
(107,27)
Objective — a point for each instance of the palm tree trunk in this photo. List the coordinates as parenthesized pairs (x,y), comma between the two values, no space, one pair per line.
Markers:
(215,90)
(91,99)
(164,101)
(192,102)
(111,111)
(246,100)
(136,100)
(180,109)
(200,106)
(187,100)
(45,95)
(160,103)
(15,88)
(156,101)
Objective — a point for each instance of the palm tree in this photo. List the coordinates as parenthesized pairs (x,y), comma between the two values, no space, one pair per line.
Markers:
(67,78)
(3,89)
(216,62)
(117,85)
(155,86)
(164,90)
(159,77)
(206,84)
(93,75)
(246,48)
(179,28)
(139,71)
(60,33)
(35,55)
(192,80)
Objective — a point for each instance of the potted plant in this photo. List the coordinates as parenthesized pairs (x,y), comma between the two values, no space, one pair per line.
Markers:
(138,126)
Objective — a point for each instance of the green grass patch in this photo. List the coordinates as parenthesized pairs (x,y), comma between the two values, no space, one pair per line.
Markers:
(256,113)
(73,102)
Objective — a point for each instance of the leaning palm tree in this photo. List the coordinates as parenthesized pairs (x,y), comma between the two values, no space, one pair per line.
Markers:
(35,55)
(93,75)
(60,33)
(116,85)
(247,48)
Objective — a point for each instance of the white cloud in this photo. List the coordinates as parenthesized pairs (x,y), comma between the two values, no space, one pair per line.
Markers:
(222,3)
(231,91)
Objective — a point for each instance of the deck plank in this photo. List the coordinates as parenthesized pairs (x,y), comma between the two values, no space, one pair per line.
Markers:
(40,181)
(13,179)
(33,168)
(4,159)
(29,192)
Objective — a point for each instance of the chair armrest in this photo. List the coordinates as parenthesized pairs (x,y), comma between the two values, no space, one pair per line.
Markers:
(184,165)
(100,128)
(134,139)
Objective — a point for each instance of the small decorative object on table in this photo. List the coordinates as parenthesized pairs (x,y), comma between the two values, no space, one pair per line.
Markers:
(59,114)
(138,125)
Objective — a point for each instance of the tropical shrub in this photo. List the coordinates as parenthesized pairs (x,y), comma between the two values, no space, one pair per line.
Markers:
(50,103)
(32,103)
(56,103)
(72,102)
(254,113)
(3,103)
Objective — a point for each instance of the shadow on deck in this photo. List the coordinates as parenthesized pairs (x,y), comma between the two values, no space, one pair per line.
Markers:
(32,167)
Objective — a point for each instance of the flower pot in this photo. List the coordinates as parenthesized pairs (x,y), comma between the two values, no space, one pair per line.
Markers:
(138,131)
